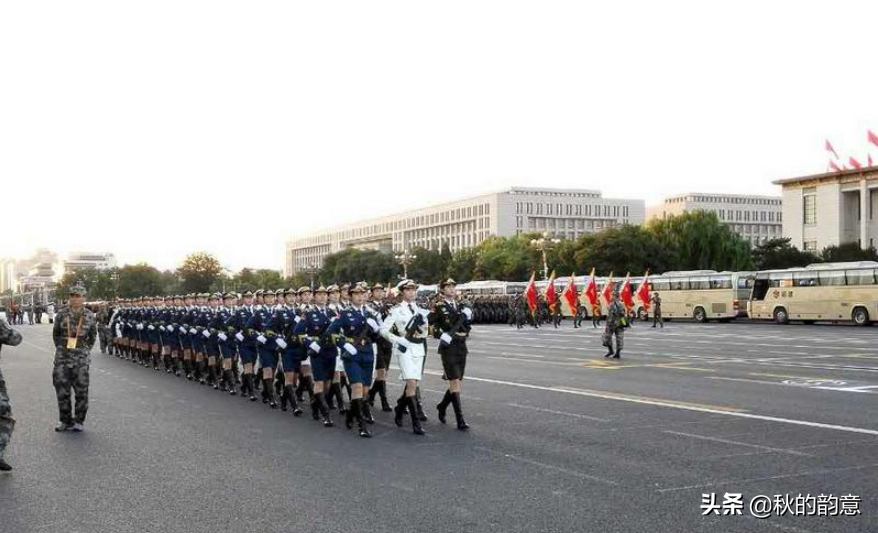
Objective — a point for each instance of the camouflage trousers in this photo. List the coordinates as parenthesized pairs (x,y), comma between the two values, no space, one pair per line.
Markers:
(607,337)
(69,376)
(7,423)
(104,336)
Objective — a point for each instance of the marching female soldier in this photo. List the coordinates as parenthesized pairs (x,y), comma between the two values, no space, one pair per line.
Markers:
(263,329)
(291,350)
(406,326)
(311,331)
(334,308)
(355,329)
(451,325)
(383,351)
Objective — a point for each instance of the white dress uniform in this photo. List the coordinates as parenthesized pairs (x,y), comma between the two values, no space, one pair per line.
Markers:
(410,361)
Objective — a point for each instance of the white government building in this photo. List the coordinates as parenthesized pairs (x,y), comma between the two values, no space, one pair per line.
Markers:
(562,213)
(755,218)
(830,209)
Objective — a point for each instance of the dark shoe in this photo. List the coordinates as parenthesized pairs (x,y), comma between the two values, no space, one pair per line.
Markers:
(4,466)
(62,427)
(618,354)
(416,420)
(77,428)
(399,411)
(458,412)
(442,406)
(422,417)
(366,411)
(609,354)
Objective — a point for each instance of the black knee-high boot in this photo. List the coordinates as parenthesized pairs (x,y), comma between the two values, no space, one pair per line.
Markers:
(382,393)
(401,407)
(268,386)
(230,380)
(357,407)
(248,380)
(342,406)
(366,412)
(458,411)
(211,376)
(420,408)
(413,411)
(370,399)
(443,405)
(320,399)
(291,397)
(331,395)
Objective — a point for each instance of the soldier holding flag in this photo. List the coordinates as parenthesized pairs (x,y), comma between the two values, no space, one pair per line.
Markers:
(592,293)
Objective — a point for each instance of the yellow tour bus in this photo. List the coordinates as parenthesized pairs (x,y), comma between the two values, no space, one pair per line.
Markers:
(700,295)
(821,291)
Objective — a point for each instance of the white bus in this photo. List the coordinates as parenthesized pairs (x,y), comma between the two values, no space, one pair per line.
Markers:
(821,291)
(701,295)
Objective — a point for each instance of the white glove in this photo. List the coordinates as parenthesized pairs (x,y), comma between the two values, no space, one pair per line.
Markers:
(404,343)
(350,348)
(468,312)
(297,318)
(446,338)
(314,347)
(206,333)
(193,331)
(118,331)
(222,336)
(261,339)
(139,327)
(372,324)
(150,327)
(182,329)
(281,343)
(161,328)
(239,336)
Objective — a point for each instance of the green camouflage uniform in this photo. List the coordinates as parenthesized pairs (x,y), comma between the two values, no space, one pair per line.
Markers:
(7,423)
(71,366)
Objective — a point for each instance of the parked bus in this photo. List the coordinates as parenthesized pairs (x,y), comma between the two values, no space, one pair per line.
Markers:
(701,295)
(821,291)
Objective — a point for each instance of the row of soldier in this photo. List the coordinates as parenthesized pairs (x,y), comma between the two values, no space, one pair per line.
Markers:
(325,344)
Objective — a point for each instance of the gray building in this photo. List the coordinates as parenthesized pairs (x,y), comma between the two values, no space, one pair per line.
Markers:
(562,213)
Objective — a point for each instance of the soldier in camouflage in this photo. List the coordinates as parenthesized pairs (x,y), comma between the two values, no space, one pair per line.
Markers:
(7,423)
(74,335)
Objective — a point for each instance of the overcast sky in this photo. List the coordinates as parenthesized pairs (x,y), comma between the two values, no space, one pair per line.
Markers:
(152,129)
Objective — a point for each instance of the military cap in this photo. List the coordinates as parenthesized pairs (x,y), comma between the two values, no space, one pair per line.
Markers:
(304,288)
(247,294)
(406,284)
(280,292)
(321,289)
(216,296)
(332,288)
(447,282)
(359,287)
(259,292)
(289,291)
(204,295)
(346,287)
(377,286)
(77,290)
(230,296)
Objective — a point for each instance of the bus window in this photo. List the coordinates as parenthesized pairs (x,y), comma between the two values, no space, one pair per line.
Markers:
(861,277)
(680,284)
(760,289)
(805,279)
(780,279)
(724,282)
(746,282)
(660,284)
(699,283)
(830,278)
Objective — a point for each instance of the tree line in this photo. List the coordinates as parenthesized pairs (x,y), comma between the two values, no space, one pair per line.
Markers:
(692,241)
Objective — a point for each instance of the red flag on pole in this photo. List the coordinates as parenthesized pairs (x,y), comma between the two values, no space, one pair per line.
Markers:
(834,166)
(571,295)
(626,294)
(830,149)
(531,294)
(551,295)
(592,292)
(871,137)
(854,163)
(643,291)
(870,160)
(608,290)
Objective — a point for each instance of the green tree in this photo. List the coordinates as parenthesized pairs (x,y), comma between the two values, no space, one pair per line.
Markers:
(779,253)
(100,284)
(463,265)
(140,280)
(357,265)
(699,241)
(849,251)
(249,279)
(507,258)
(199,272)
(429,266)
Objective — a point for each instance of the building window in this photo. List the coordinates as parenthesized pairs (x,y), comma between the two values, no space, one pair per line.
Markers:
(810,246)
(809,209)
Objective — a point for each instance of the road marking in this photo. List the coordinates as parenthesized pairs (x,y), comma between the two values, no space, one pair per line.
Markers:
(738,443)
(769,478)
(728,411)
(552,411)
(546,466)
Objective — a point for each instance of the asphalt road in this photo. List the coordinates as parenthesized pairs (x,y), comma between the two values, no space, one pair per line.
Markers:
(561,440)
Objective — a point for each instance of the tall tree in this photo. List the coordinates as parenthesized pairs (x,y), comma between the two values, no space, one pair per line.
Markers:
(849,251)
(199,272)
(779,253)
(140,280)
(699,241)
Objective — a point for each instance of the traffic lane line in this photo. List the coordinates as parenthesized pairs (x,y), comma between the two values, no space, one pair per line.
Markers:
(769,449)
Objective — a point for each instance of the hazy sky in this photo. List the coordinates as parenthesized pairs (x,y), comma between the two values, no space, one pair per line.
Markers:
(152,129)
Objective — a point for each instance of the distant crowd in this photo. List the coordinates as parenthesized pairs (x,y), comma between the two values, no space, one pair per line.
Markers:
(20,314)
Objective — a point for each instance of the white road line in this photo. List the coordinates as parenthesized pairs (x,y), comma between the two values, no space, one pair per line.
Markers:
(552,411)
(769,478)
(738,443)
(546,466)
(660,403)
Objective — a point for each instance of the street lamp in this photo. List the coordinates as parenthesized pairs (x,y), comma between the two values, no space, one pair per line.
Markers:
(405,259)
(542,244)
(311,268)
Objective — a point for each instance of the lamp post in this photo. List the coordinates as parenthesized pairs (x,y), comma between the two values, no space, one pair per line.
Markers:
(405,259)
(543,244)
(310,268)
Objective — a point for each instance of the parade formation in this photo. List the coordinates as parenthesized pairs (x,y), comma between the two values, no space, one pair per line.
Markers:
(326,349)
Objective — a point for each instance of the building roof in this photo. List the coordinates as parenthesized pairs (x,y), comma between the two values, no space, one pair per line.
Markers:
(864,172)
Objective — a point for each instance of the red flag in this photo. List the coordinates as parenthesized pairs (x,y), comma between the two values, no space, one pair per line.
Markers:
(833,166)
(608,290)
(551,295)
(830,149)
(626,294)
(871,137)
(854,163)
(571,295)
(870,160)
(531,294)
(643,291)
(592,292)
